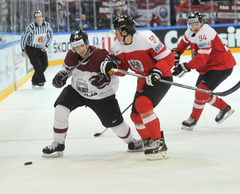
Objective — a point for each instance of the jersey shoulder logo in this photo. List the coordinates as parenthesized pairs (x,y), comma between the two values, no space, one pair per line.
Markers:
(159,47)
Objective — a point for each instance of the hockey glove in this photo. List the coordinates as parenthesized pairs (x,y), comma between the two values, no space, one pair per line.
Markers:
(177,55)
(100,80)
(106,67)
(60,79)
(180,69)
(154,75)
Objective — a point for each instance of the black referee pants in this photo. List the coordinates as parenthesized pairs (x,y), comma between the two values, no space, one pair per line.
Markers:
(39,61)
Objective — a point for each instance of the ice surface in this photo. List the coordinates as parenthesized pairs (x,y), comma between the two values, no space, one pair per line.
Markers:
(206,160)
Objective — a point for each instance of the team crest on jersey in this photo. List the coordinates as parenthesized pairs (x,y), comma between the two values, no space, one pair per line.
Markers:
(204,44)
(40,39)
(82,87)
(158,47)
(136,65)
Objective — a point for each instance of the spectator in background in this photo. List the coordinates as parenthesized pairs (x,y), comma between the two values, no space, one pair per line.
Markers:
(117,12)
(183,2)
(61,21)
(198,2)
(154,20)
(85,24)
(47,18)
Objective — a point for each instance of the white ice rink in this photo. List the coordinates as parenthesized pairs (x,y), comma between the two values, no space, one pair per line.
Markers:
(204,161)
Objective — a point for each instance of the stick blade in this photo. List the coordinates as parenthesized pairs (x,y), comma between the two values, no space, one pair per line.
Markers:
(97,134)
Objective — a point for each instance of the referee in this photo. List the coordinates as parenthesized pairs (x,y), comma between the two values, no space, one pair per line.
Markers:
(34,42)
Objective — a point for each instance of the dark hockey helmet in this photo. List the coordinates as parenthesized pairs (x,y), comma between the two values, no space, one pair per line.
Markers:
(78,37)
(38,13)
(124,22)
(195,16)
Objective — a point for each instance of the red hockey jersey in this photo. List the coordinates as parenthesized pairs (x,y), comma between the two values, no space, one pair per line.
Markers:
(209,52)
(145,52)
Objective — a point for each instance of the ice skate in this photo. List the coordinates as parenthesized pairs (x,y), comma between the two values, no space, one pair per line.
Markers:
(224,114)
(188,124)
(54,150)
(156,150)
(38,85)
(136,146)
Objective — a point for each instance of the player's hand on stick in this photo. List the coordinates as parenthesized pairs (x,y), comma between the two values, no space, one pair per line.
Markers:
(106,67)
(60,79)
(154,75)
(177,55)
(180,69)
(100,80)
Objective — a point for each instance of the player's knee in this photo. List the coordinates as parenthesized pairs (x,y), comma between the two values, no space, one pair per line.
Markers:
(200,96)
(143,104)
(136,118)
(61,117)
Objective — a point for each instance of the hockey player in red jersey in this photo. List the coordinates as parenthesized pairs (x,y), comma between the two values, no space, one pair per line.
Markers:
(89,87)
(145,54)
(212,59)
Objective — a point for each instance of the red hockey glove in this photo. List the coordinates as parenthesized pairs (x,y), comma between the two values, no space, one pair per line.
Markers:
(180,69)
(59,80)
(100,80)
(154,75)
(106,67)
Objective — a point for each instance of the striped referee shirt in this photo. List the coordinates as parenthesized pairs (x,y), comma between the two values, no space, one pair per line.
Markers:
(37,36)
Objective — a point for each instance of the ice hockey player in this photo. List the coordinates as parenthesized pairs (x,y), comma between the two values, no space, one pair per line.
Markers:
(145,54)
(89,87)
(214,62)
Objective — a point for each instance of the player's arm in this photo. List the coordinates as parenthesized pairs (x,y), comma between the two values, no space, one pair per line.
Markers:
(163,56)
(204,49)
(103,78)
(182,46)
(61,77)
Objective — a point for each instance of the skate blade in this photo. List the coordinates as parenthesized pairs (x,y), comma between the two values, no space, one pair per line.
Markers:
(187,128)
(157,156)
(228,114)
(137,150)
(37,87)
(53,155)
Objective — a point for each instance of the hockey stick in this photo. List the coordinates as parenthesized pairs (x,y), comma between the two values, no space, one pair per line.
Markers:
(98,134)
(225,93)
(87,57)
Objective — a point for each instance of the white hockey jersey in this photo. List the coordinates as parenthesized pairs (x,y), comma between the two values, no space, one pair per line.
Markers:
(81,75)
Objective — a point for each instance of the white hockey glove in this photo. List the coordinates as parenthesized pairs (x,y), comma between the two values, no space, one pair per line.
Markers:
(180,69)
(100,80)
(154,75)
(106,67)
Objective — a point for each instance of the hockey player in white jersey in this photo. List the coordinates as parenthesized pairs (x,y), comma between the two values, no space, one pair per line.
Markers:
(145,54)
(89,87)
(213,60)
